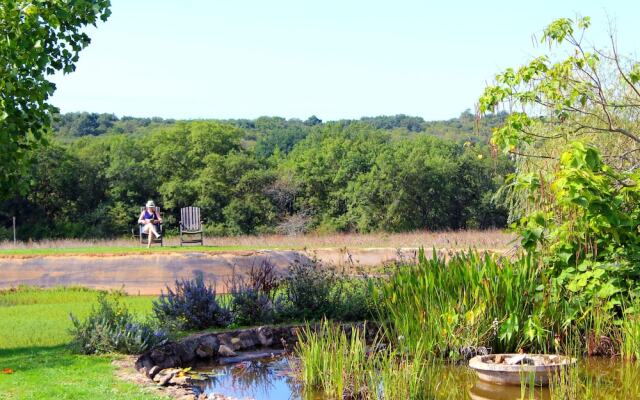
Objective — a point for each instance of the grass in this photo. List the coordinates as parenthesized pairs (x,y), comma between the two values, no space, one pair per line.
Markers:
(340,366)
(466,301)
(33,344)
(489,239)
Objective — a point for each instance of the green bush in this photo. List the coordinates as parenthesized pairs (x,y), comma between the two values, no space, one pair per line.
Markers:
(585,228)
(112,328)
(253,299)
(311,291)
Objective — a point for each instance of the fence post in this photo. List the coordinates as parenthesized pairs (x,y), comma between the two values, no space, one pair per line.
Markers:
(14,231)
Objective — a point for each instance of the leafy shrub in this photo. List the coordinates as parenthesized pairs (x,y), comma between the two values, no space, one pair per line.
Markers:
(356,300)
(192,305)
(112,328)
(311,291)
(250,307)
(586,228)
(253,299)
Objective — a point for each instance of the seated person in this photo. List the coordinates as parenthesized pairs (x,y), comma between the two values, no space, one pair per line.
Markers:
(150,220)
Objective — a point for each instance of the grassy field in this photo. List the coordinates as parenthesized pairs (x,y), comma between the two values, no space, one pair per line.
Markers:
(33,344)
(488,239)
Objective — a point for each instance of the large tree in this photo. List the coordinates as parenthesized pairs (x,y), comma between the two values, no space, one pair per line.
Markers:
(573,92)
(37,39)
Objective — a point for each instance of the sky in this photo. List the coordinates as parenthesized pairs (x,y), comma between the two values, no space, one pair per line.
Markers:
(333,59)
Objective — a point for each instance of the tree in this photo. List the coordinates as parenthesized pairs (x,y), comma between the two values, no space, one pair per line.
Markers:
(576,138)
(37,39)
(593,94)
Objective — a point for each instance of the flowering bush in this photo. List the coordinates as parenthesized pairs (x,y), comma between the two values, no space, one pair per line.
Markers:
(192,305)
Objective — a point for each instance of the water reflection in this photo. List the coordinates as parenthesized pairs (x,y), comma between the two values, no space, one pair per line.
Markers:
(271,379)
(261,379)
(487,391)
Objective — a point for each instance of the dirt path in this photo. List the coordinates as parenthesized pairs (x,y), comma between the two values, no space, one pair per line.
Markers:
(149,274)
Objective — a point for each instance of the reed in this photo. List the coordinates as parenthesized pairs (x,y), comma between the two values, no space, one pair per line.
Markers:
(466,301)
(342,366)
(630,341)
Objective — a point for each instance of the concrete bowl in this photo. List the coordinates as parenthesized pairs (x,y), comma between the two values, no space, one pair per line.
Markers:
(514,369)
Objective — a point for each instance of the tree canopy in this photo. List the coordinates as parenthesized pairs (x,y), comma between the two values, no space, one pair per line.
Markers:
(269,175)
(37,39)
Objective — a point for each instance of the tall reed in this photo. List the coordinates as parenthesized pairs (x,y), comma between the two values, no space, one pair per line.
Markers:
(466,301)
(332,362)
(343,367)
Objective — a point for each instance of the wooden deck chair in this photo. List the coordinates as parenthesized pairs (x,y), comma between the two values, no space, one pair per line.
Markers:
(144,237)
(190,226)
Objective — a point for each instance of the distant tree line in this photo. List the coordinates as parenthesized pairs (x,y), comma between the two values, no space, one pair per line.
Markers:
(268,175)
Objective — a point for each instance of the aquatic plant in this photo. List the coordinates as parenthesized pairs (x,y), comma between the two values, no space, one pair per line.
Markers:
(332,362)
(342,366)
(454,306)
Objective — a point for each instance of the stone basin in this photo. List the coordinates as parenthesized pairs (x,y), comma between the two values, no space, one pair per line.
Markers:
(512,369)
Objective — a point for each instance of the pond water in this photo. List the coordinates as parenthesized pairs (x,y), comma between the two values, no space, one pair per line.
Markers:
(271,379)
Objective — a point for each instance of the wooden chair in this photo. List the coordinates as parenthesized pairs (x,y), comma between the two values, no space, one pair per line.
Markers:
(144,237)
(190,226)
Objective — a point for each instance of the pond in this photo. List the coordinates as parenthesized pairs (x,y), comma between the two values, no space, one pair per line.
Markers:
(271,379)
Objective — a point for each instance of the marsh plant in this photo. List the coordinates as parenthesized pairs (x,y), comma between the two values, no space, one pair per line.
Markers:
(111,328)
(466,301)
(342,366)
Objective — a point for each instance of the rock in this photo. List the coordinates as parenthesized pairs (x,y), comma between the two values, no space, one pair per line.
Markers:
(520,359)
(144,363)
(224,338)
(248,339)
(204,352)
(182,380)
(165,378)
(186,350)
(265,336)
(153,371)
(236,343)
(207,346)
(225,351)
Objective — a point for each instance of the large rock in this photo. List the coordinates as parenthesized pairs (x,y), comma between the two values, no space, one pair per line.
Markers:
(248,339)
(207,346)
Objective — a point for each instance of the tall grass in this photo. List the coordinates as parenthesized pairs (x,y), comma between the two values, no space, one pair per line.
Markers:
(467,301)
(332,362)
(341,366)
(486,239)
(630,332)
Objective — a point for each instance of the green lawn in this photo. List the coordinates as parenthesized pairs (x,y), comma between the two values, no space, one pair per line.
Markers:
(33,343)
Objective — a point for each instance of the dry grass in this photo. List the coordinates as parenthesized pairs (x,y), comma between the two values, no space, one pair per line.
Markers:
(487,239)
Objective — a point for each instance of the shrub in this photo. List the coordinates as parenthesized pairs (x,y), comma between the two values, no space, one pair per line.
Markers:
(250,307)
(192,305)
(356,300)
(112,328)
(253,298)
(311,290)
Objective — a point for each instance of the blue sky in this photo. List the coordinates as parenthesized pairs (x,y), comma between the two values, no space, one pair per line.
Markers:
(334,59)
